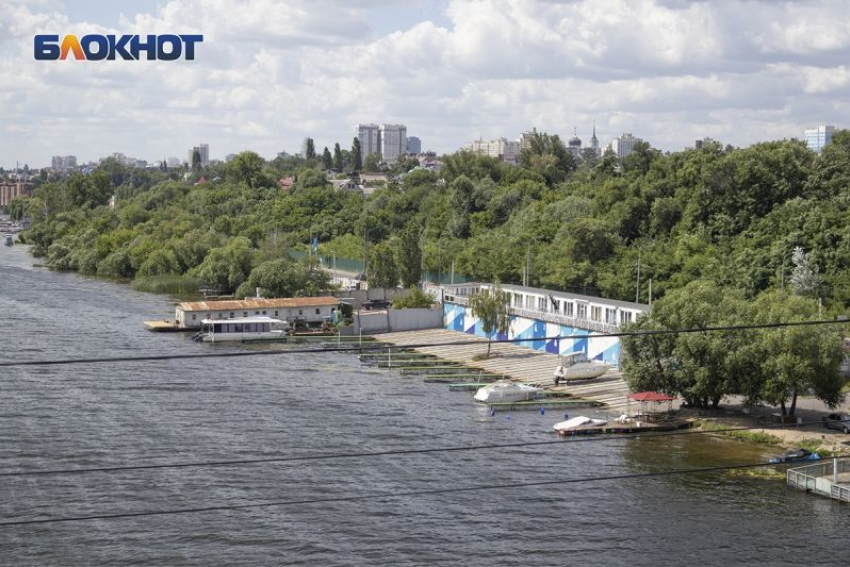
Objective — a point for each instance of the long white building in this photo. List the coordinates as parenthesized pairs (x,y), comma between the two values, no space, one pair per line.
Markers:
(189,314)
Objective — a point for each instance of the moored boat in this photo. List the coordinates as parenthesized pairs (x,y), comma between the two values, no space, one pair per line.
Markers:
(577,423)
(576,366)
(798,455)
(243,329)
(506,391)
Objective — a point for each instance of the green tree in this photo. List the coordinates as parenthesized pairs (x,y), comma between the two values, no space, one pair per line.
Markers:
(285,278)
(227,267)
(338,163)
(356,157)
(461,189)
(382,271)
(327,160)
(409,259)
(196,160)
(371,162)
(248,168)
(310,152)
(414,298)
(492,309)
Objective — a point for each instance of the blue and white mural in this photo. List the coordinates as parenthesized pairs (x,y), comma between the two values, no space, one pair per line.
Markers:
(597,347)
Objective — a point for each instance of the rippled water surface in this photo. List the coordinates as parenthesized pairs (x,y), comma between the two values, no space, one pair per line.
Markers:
(311,404)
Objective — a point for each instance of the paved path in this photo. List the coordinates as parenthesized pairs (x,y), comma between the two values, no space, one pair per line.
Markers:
(518,363)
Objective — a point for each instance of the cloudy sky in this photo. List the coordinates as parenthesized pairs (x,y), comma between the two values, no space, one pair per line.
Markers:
(271,72)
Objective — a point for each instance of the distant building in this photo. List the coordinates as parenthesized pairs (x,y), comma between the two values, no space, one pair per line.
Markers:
(574,145)
(819,137)
(624,145)
(525,138)
(594,142)
(10,190)
(393,142)
(502,148)
(370,139)
(231,157)
(172,162)
(64,163)
(700,144)
(204,151)
(414,145)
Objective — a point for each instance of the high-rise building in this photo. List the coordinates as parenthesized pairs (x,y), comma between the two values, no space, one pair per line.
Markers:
(414,145)
(819,137)
(624,145)
(370,139)
(393,142)
(204,151)
(502,148)
(63,163)
(11,189)
(525,138)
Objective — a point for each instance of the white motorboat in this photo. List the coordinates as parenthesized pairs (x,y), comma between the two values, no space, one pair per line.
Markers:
(576,366)
(579,422)
(506,391)
(242,329)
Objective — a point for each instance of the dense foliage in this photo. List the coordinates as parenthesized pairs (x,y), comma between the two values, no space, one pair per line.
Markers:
(728,216)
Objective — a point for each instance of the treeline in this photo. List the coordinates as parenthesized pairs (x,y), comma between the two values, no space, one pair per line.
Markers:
(729,216)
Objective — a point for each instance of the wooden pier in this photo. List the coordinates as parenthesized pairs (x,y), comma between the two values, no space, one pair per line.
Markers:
(829,478)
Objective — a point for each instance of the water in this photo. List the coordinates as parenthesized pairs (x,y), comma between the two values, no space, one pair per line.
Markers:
(245,408)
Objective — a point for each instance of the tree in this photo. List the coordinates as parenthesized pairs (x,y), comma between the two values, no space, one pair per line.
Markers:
(327,160)
(248,168)
(356,157)
(284,278)
(371,162)
(227,267)
(310,150)
(382,270)
(338,163)
(409,260)
(804,277)
(492,309)
(462,189)
(196,160)
(414,298)
(797,359)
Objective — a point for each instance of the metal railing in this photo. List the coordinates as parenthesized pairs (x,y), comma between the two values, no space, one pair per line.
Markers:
(816,477)
(556,318)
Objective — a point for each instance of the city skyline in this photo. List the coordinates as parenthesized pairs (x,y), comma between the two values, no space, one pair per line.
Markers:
(452,71)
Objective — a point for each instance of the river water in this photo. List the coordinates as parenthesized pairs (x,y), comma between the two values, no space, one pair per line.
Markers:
(309,404)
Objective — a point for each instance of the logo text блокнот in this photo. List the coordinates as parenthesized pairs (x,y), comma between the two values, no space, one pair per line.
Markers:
(96,47)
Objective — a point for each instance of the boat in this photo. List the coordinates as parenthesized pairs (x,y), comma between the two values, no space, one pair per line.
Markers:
(506,391)
(578,422)
(576,366)
(258,328)
(798,455)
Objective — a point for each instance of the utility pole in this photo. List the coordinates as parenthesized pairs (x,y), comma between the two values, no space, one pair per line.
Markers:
(650,292)
(637,284)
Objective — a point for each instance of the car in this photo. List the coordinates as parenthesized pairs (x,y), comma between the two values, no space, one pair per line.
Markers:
(839,421)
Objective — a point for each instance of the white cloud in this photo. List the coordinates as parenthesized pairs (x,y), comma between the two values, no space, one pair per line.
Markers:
(269,73)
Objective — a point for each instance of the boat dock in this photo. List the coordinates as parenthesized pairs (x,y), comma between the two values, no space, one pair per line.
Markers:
(518,363)
(166,326)
(830,478)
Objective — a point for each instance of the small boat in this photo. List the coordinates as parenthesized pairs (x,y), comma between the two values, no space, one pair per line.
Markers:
(242,329)
(506,391)
(795,456)
(576,366)
(579,422)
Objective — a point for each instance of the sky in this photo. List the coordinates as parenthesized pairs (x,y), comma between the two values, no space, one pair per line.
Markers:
(269,73)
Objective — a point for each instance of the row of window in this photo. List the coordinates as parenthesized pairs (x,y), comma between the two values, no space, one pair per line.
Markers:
(577,309)
(245,314)
(242,327)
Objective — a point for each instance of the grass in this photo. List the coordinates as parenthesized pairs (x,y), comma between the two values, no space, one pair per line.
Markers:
(170,284)
(752,436)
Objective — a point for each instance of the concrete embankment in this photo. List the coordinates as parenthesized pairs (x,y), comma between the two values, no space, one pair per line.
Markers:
(519,363)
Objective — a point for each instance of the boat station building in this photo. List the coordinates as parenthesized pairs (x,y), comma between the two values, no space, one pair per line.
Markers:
(542,314)
(310,310)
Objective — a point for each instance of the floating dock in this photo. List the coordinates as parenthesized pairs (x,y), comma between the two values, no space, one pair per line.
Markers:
(629,428)
(166,326)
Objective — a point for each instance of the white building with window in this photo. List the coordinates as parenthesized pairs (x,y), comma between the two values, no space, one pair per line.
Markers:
(549,318)
(819,137)
(624,145)
(311,310)
(370,139)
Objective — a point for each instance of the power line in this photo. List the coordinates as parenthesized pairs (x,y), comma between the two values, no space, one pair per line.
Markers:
(384,495)
(148,358)
(388,453)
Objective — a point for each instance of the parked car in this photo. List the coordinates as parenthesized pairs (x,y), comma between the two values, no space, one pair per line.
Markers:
(839,421)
